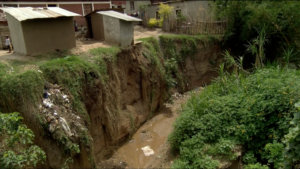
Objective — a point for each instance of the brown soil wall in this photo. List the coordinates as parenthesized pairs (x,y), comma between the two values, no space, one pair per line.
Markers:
(133,92)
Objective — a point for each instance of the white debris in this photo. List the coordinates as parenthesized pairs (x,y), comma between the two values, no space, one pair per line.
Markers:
(64,96)
(147,151)
(47,102)
(78,117)
(65,126)
(40,71)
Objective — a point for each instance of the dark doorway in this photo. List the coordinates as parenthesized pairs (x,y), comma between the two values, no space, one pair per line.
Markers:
(89,26)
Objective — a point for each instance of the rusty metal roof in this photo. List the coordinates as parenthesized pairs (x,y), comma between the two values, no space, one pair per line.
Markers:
(26,13)
(119,15)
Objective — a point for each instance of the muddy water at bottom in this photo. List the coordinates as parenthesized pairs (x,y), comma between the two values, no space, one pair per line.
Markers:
(153,133)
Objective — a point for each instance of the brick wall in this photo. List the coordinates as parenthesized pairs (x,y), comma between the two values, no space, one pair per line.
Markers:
(76,8)
(33,5)
(101,6)
(118,2)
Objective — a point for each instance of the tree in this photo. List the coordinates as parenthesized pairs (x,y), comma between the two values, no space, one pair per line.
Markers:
(165,10)
(143,8)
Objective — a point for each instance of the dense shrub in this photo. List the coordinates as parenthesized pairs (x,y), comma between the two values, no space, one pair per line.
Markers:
(17,148)
(255,112)
(152,22)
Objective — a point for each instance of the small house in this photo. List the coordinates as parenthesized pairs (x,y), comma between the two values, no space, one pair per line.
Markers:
(36,30)
(112,27)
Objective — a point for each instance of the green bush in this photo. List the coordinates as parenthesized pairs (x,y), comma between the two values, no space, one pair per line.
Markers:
(152,22)
(256,166)
(18,150)
(20,88)
(292,142)
(255,112)
(160,22)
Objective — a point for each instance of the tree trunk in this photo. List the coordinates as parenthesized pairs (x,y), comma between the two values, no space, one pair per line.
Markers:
(145,20)
(166,24)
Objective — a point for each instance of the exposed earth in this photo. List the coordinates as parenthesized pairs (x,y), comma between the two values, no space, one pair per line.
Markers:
(154,133)
(131,90)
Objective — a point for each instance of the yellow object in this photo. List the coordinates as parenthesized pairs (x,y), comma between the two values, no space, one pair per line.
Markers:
(152,22)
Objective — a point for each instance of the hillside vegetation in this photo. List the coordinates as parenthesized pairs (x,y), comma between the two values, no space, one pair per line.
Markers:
(256,112)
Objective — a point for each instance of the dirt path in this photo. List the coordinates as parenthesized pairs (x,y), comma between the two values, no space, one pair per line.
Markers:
(83,46)
(153,133)
(141,32)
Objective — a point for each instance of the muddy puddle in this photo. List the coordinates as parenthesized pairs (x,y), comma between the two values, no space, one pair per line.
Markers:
(154,134)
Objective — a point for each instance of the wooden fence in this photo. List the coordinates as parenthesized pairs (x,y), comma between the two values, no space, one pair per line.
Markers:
(199,27)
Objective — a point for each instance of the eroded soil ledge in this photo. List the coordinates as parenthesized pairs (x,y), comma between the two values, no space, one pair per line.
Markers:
(111,103)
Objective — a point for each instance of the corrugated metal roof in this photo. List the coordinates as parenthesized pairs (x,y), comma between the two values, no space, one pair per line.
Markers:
(119,15)
(26,13)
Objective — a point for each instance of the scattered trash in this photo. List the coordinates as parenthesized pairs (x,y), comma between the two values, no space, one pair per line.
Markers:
(46,94)
(58,113)
(147,151)
(65,126)
(40,71)
(47,103)
(177,95)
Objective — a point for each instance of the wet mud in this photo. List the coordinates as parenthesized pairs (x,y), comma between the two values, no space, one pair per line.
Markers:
(154,133)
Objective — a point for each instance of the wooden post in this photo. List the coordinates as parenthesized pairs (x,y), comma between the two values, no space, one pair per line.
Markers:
(205,27)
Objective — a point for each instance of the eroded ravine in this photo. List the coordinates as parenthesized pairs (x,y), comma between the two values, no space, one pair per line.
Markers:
(153,133)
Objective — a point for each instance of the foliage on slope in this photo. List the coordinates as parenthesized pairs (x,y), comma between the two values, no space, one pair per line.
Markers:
(16,143)
(176,49)
(255,112)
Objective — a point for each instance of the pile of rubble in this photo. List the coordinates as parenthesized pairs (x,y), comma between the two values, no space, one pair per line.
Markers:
(58,112)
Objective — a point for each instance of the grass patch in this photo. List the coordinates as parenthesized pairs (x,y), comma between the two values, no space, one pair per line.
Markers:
(19,89)
(110,53)
(75,75)
(254,111)
(152,52)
